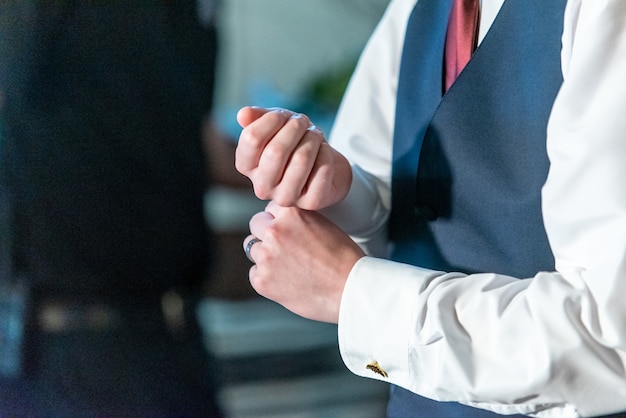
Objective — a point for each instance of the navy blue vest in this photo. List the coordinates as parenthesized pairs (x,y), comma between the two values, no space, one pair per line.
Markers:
(468,167)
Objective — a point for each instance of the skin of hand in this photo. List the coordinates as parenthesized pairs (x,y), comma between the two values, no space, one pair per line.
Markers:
(288,160)
(302,261)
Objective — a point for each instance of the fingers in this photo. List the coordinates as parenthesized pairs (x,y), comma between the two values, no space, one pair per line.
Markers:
(256,135)
(289,161)
(302,260)
(259,225)
(277,151)
(291,150)
(291,186)
(273,208)
(322,174)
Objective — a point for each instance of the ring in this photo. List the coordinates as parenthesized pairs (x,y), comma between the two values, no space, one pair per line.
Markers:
(249,247)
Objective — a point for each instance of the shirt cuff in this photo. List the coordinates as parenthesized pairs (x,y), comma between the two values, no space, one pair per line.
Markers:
(377,318)
(362,211)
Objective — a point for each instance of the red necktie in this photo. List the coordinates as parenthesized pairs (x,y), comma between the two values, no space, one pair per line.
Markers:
(460,38)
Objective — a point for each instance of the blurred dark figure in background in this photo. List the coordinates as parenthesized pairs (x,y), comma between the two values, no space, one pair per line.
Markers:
(103,166)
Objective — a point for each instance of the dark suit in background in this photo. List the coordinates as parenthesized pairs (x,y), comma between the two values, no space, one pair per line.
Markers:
(101,158)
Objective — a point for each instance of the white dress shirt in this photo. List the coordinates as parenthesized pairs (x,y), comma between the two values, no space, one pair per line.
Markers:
(549,345)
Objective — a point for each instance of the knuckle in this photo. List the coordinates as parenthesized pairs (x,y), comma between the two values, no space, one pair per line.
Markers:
(300,160)
(274,152)
(310,202)
(262,191)
(300,121)
(241,166)
(256,281)
(286,196)
(285,201)
(273,233)
(314,198)
(260,278)
(251,137)
(276,118)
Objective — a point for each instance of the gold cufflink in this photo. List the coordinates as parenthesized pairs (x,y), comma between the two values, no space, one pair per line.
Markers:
(375,367)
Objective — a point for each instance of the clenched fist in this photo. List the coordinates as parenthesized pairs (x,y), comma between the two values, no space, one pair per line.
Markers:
(288,160)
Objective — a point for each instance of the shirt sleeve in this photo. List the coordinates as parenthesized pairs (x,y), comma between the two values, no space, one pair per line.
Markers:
(549,345)
(363,131)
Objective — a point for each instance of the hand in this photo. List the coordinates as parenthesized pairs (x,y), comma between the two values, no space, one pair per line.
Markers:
(289,161)
(302,261)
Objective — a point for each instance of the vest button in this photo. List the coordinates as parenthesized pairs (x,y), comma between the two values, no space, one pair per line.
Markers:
(425,212)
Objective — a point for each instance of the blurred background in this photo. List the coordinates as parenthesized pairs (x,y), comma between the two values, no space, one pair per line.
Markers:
(112,116)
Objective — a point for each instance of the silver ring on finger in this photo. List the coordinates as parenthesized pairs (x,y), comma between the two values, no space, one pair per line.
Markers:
(249,247)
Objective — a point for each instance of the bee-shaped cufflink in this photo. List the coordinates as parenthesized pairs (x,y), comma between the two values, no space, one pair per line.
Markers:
(375,367)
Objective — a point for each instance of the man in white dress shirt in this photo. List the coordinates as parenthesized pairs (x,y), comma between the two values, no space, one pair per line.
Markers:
(547,343)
